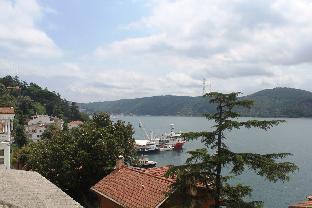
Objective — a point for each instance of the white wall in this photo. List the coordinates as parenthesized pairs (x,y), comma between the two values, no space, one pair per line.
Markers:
(5,138)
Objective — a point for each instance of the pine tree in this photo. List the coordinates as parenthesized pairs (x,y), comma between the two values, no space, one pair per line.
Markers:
(201,178)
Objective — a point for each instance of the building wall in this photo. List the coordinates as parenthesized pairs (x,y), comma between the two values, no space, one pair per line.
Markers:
(106,203)
(5,138)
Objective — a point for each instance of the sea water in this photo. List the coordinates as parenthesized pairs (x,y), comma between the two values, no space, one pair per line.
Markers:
(294,136)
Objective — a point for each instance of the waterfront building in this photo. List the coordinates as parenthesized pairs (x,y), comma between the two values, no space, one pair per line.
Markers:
(137,188)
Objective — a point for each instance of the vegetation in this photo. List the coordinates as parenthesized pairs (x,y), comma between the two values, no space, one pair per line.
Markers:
(76,159)
(277,102)
(31,99)
(207,172)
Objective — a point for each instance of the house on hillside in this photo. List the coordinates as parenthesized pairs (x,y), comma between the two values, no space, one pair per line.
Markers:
(6,126)
(39,123)
(74,124)
(129,187)
(28,189)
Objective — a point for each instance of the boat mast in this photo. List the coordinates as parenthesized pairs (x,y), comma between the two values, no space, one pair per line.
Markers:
(142,127)
(172,127)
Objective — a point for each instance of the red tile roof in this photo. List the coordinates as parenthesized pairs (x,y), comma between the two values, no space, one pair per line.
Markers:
(6,110)
(306,204)
(135,188)
(158,172)
(76,122)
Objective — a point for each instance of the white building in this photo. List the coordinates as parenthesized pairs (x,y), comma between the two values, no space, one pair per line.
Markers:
(6,126)
(39,123)
(41,119)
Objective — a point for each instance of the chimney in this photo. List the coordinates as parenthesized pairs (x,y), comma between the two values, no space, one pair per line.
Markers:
(120,163)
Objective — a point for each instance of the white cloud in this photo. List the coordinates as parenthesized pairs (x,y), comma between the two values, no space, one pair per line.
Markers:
(228,42)
(238,45)
(63,69)
(19,34)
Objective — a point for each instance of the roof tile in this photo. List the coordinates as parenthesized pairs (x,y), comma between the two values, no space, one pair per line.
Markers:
(6,110)
(135,188)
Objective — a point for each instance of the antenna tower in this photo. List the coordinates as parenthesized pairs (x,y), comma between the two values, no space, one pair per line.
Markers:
(204,86)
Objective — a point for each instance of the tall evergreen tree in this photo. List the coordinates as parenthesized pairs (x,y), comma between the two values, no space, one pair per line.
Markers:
(203,177)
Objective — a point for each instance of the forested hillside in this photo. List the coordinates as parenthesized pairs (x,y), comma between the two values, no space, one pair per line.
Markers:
(29,99)
(277,102)
(156,105)
(281,102)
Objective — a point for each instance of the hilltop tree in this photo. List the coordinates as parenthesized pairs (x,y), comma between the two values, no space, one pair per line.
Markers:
(206,174)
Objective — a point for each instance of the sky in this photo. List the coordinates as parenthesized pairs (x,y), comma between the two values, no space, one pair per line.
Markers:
(112,49)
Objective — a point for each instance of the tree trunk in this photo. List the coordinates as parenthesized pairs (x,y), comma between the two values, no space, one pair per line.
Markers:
(218,169)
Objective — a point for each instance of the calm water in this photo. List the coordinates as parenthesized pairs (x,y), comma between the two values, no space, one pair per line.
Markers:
(294,137)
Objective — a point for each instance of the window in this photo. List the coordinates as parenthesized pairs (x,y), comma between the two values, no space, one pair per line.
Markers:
(2,130)
(1,152)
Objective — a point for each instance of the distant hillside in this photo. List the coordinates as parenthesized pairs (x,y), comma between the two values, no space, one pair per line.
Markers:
(281,102)
(277,102)
(156,105)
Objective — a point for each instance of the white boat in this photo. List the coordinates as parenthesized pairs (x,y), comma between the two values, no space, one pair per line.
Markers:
(146,146)
(165,147)
(172,139)
(145,163)
(165,142)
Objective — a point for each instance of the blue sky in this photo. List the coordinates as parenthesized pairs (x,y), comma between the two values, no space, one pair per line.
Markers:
(111,49)
(86,24)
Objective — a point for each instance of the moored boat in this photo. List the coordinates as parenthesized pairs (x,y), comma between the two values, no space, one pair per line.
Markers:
(165,148)
(172,139)
(165,142)
(145,163)
(146,146)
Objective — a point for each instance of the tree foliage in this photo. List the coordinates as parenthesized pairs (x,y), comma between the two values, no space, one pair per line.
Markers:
(30,98)
(76,159)
(203,169)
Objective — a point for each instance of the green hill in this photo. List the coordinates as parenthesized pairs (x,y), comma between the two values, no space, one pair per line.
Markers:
(156,105)
(277,102)
(29,99)
(281,102)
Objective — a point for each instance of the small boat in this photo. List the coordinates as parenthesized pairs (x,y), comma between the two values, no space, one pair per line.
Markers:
(145,163)
(165,147)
